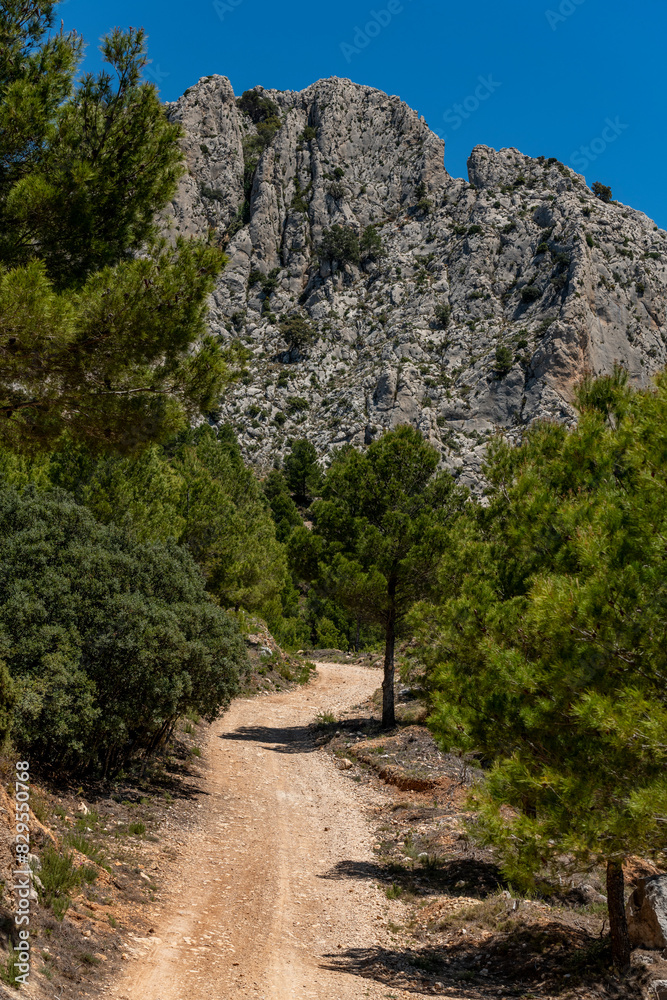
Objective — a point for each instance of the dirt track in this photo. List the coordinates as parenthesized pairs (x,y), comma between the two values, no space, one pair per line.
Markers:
(277,884)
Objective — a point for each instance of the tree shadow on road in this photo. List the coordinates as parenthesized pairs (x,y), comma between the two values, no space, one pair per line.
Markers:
(468,877)
(279,739)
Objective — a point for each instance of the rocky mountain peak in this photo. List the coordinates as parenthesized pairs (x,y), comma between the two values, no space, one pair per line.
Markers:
(481,307)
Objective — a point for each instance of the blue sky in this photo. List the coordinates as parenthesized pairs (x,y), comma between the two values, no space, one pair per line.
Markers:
(582,80)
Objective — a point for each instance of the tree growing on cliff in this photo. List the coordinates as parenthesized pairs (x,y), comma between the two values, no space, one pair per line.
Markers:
(548,652)
(379,531)
(99,318)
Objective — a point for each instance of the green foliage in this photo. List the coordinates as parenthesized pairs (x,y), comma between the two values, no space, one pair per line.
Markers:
(99,337)
(531,293)
(309,133)
(547,652)
(443,314)
(257,105)
(59,879)
(108,641)
(589,240)
(340,244)
(380,528)
(328,636)
(504,359)
(228,526)
(297,404)
(283,509)
(601,191)
(8,700)
(371,246)
(298,332)
(302,472)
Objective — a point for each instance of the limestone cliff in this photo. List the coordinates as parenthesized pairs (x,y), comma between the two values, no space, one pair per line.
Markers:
(492,299)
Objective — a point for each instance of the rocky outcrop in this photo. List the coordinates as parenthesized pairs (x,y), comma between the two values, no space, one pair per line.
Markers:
(647,913)
(491,301)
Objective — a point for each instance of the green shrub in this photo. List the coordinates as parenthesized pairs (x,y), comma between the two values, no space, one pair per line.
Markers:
(309,133)
(371,246)
(443,314)
(504,359)
(84,846)
(472,230)
(297,331)
(530,293)
(542,248)
(328,636)
(297,404)
(590,240)
(601,191)
(59,879)
(136,829)
(257,105)
(108,640)
(340,244)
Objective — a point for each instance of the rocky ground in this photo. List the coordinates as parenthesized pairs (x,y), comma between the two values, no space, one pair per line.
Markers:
(494,297)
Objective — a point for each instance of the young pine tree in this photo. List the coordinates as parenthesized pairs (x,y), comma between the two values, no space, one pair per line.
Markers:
(548,652)
(380,529)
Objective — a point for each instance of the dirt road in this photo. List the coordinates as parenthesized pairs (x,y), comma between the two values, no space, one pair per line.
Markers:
(277,883)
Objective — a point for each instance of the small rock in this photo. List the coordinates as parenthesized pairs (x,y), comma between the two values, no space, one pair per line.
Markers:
(647,913)
(345,764)
(82,808)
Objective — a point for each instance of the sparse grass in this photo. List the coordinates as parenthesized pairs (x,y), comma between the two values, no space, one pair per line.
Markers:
(324,720)
(39,806)
(84,846)
(112,921)
(393,891)
(88,959)
(9,970)
(136,829)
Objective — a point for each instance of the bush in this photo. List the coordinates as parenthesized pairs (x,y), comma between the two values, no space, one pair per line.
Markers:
(336,190)
(328,636)
(298,332)
(443,314)
(371,246)
(297,404)
(601,191)
(590,240)
(340,244)
(542,248)
(59,878)
(504,359)
(109,641)
(257,106)
(309,133)
(474,229)
(530,293)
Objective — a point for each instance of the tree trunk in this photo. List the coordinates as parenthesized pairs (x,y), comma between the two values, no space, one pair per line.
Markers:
(388,714)
(618,925)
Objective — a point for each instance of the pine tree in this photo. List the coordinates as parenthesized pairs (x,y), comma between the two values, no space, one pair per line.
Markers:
(548,651)
(102,323)
(378,534)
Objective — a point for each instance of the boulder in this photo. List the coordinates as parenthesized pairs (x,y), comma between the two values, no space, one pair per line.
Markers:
(647,913)
(659,988)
